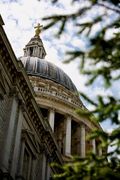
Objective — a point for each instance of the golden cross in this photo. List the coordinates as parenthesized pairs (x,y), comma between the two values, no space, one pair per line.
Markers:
(38,29)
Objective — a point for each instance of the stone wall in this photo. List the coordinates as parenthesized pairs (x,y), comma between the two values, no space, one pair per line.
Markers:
(5,110)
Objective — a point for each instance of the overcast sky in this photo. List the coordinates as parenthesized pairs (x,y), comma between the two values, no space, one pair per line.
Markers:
(21,16)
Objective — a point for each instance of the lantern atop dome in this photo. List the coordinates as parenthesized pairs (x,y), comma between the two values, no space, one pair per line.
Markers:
(35,47)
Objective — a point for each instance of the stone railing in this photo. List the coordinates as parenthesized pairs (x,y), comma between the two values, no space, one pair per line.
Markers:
(59,95)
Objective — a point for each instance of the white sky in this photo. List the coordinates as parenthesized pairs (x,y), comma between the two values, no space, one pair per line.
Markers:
(21,17)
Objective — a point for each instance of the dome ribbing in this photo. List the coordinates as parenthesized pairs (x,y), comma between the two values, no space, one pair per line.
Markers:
(42,68)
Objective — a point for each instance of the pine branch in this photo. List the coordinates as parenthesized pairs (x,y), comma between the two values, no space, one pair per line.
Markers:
(108,7)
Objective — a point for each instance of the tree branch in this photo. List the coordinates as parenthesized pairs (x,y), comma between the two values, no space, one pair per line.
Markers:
(110,8)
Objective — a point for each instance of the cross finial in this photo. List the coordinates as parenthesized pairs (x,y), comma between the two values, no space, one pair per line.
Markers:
(38,29)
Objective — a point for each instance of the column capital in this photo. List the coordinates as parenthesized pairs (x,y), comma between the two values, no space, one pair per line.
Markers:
(68,116)
(51,109)
(82,125)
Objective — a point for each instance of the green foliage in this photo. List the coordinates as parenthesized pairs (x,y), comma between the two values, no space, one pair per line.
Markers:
(103,56)
(90,168)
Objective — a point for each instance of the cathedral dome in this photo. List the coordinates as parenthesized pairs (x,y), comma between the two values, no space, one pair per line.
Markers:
(36,65)
(44,69)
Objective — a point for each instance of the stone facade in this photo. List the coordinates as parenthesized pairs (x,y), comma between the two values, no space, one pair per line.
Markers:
(38,122)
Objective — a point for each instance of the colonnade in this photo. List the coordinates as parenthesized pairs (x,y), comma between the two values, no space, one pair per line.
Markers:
(36,51)
(68,135)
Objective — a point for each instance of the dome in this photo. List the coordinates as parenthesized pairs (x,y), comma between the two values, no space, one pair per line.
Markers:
(39,67)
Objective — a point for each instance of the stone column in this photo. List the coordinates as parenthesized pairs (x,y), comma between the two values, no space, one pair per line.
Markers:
(17,144)
(41,53)
(44,164)
(21,157)
(83,141)
(51,118)
(33,51)
(48,172)
(33,168)
(68,136)
(37,51)
(9,134)
(94,145)
(28,51)
(30,166)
